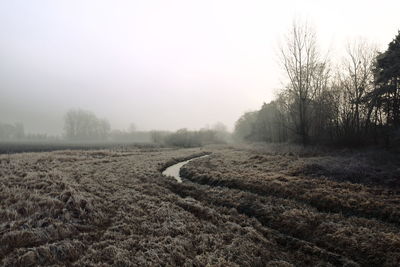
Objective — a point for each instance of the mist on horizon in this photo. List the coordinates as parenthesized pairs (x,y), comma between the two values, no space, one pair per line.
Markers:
(156,64)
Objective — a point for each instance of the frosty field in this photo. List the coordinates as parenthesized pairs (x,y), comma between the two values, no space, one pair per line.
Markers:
(241,206)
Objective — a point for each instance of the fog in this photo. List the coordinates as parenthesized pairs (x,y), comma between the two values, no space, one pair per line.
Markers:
(160,64)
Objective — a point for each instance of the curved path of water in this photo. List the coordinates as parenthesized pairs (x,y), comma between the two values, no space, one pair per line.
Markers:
(174,170)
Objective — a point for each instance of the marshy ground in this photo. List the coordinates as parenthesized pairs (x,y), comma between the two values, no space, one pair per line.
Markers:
(241,206)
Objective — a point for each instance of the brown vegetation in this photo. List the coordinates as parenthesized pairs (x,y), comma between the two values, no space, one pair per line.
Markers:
(310,197)
(241,207)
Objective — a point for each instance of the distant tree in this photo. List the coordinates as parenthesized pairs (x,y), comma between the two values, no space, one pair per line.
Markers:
(11,132)
(183,138)
(186,138)
(245,127)
(219,127)
(270,124)
(222,132)
(81,125)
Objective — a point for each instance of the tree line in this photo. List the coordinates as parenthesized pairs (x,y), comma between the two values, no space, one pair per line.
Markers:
(355,103)
(83,126)
(15,132)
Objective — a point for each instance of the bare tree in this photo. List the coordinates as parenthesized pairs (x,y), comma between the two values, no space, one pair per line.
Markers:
(358,80)
(303,68)
(81,125)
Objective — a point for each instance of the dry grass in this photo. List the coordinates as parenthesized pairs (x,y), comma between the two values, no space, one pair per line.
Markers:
(359,221)
(241,208)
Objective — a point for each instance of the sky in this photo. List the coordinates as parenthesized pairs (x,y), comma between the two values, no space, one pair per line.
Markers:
(162,64)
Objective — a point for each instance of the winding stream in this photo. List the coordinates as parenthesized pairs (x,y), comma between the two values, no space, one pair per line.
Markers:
(174,170)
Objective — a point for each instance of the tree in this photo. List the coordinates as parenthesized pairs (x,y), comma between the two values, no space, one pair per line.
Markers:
(387,82)
(221,132)
(81,125)
(245,126)
(302,65)
(270,123)
(357,81)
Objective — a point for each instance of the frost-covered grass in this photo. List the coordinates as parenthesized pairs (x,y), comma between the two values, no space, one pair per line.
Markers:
(300,194)
(90,208)
(238,207)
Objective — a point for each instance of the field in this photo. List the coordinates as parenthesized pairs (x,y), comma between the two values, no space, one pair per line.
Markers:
(241,206)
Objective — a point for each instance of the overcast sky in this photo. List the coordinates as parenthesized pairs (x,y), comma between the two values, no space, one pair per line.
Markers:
(161,64)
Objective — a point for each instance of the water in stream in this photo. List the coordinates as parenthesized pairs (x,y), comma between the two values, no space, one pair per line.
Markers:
(175,169)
